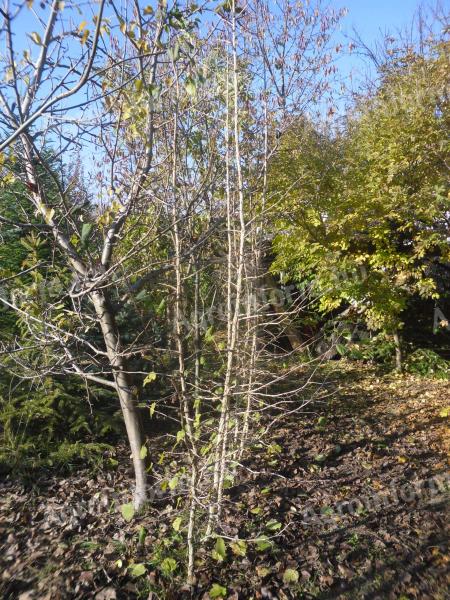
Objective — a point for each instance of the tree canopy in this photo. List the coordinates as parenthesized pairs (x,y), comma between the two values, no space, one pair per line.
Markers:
(363,213)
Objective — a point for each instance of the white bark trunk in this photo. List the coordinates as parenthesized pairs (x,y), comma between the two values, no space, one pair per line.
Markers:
(127,402)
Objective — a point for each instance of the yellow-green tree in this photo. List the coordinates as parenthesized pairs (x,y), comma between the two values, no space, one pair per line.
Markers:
(365,214)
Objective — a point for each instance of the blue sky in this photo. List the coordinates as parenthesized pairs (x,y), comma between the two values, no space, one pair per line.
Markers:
(372,19)
(371,16)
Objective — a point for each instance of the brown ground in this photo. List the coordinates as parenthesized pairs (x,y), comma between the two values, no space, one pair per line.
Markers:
(360,511)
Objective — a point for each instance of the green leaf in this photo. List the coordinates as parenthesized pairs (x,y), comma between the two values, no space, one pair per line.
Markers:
(239,548)
(263,544)
(168,565)
(150,377)
(161,307)
(220,551)
(290,576)
(138,570)
(154,90)
(341,349)
(127,511)
(273,525)
(181,435)
(228,481)
(173,482)
(177,524)
(141,296)
(85,232)
(142,535)
(217,591)
(190,86)
(209,335)
(143,452)
(174,53)
(274,449)
(152,409)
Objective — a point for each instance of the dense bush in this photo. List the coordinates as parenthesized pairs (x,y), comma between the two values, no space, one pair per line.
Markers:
(379,349)
(54,425)
(427,363)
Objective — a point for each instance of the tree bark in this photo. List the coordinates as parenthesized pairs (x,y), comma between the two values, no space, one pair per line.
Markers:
(289,329)
(128,405)
(398,353)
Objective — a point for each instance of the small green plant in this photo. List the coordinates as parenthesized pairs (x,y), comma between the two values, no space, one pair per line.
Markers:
(427,363)
(90,545)
(52,426)
(127,511)
(291,576)
(168,566)
(379,349)
(218,591)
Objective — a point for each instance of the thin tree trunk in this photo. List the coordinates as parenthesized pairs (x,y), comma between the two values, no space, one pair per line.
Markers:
(233,314)
(398,353)
(127,402)
(110,335)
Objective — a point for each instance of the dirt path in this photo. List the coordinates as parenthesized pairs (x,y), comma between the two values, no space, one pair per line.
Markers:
(352,499)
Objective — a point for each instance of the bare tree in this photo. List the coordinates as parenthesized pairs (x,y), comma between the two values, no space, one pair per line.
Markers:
(74,91)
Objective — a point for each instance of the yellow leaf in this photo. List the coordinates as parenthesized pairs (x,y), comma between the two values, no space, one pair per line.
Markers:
(49,213)
(82,25)
(239,548)
(36,38)
(291,576)
(85,36)
(402,459)
(150,377)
